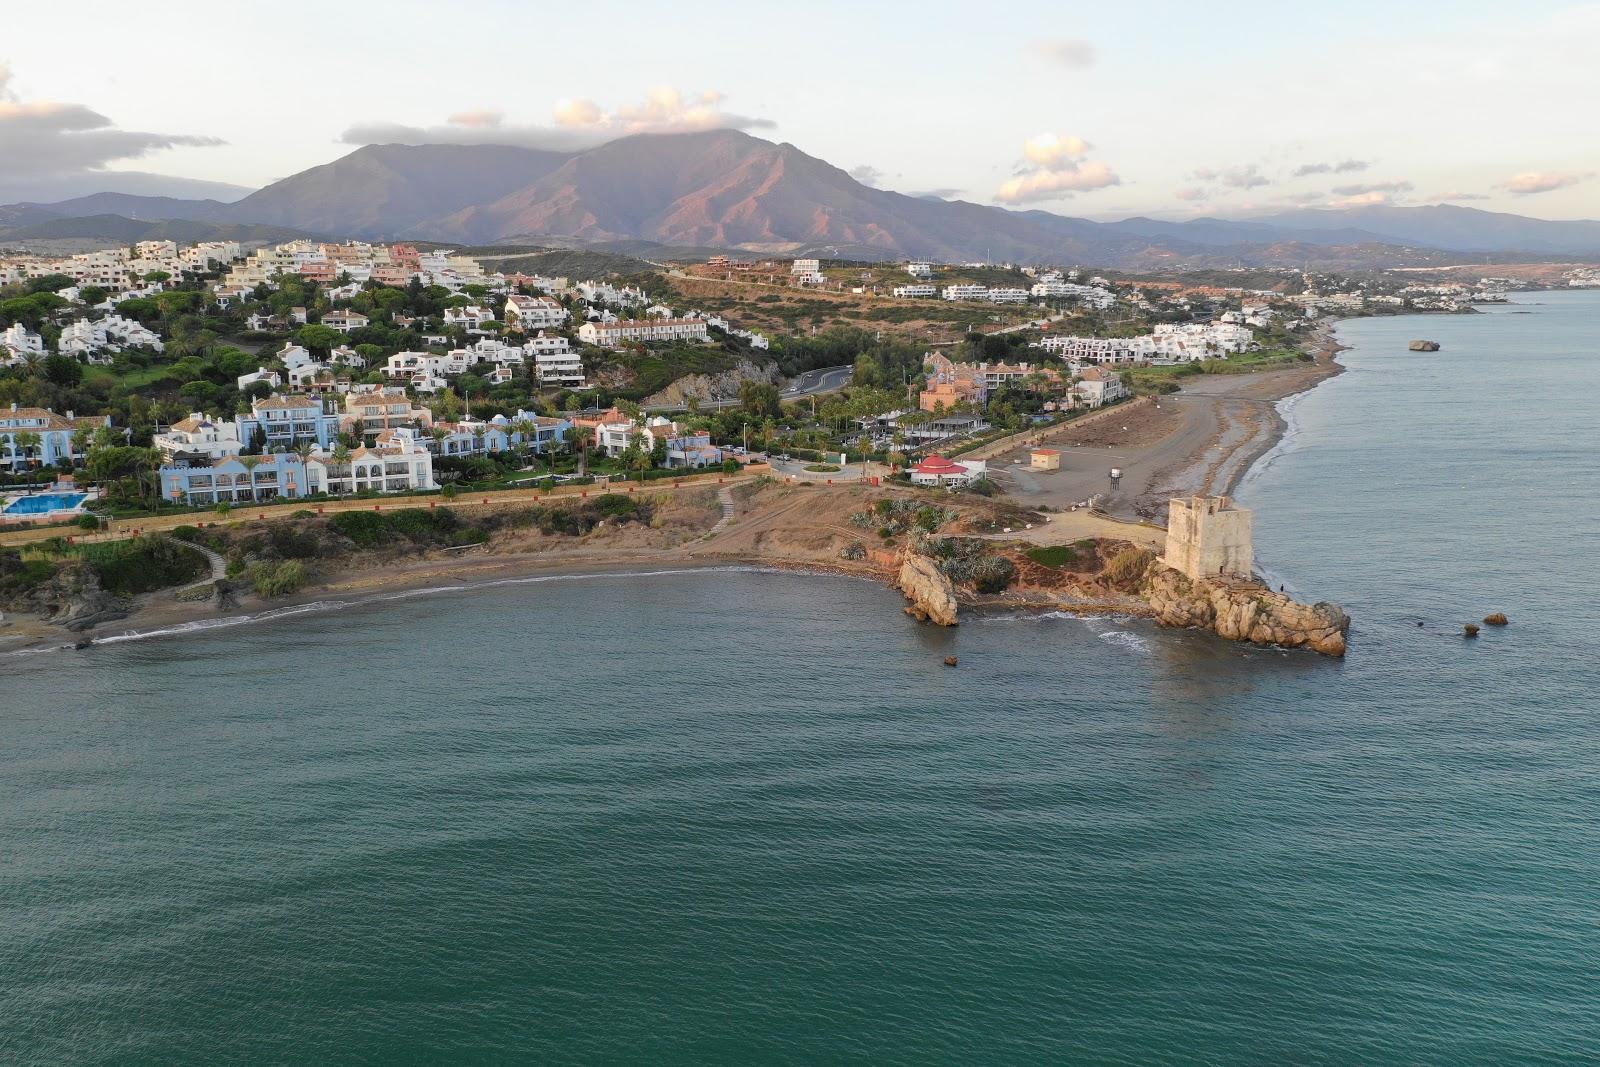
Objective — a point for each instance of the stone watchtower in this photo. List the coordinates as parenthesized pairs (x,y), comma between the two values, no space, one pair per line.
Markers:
(1208,537)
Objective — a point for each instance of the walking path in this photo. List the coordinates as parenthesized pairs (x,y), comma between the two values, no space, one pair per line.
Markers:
(219,567)
(724,498)
(246,512)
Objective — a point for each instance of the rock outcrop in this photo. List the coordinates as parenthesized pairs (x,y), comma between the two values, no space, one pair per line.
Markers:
(1245,611)
(1424,346)
(932,596)
(706,386)
(74,599)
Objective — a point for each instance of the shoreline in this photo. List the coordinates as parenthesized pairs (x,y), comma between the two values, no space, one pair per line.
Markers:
(158,614)
(1245,422)
(1328,347)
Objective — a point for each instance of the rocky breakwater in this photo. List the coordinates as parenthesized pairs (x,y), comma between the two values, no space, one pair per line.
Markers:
(1243,611)
(931,594)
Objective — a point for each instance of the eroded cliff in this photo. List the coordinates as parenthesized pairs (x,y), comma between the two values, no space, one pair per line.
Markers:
(1244,611)
(932,595)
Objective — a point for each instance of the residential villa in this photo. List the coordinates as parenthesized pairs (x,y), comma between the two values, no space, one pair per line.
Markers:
(396,463)
(533,313)
(289,421)
(54,435)
(199,437)
(375,409)
(345,321)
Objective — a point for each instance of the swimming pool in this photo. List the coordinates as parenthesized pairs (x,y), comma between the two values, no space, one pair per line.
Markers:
(44,503)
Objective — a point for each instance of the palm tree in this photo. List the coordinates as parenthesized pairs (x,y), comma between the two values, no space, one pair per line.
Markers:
(250,463)
(341,462)
(526,429)
(26,442)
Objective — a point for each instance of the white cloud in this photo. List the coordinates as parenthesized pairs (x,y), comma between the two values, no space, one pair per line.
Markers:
(1367,188)
(1192,193)
(1053,168)
(1346,166)
(1056,184)
(481,120)
(1246,177)
(1371,198)
(47,139)
(663,110)
(578,123)
(1459,196)
(1052,152)
(1530,182)
(867,175)
(1071,52)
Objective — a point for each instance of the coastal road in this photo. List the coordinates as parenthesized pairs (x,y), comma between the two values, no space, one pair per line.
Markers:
(821,380)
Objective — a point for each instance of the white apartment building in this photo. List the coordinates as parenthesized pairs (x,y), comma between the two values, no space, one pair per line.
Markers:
(914,292)
(966,292)
(18,342)
(198,436)
(645,331)
(91,340)
(920,270)
(806,266)
(1008,296)
(533,313)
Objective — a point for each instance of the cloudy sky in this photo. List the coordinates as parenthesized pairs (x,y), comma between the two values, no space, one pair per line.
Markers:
(1171,109)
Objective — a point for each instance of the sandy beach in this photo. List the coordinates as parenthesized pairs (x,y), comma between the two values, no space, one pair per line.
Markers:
(1201,440)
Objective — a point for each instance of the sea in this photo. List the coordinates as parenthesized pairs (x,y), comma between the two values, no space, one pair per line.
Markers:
(741,816)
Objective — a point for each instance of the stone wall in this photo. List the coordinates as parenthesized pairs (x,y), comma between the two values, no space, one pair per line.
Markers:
(1208,536)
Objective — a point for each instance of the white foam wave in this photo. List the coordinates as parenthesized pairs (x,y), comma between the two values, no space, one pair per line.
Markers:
(230,621)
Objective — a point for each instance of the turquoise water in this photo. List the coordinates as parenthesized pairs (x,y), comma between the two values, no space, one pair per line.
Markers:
(748,817)
(44,503)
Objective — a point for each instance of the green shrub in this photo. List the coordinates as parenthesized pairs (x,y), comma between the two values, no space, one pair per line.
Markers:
(277,579)
(18,575)
(616,506)
(144,564)
(366,528)
(88,522)
(1053,556)
(186,533)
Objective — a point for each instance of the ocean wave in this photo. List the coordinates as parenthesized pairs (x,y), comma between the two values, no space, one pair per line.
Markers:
(226,622)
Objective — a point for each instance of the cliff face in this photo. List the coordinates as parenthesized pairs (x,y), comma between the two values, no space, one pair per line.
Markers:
(1245,612)
(74,599)
(705,386)
(933,598)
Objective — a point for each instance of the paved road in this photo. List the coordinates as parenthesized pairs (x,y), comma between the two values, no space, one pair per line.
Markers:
(822,380)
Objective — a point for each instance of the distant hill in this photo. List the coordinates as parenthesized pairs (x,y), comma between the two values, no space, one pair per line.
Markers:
(1451,226)
(389,190)
(126,231)
(658,196)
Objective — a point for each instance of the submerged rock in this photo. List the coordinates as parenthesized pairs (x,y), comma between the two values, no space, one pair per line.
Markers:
(932,596)
(950,661)
(1470,630)
(1424,346)
(1245,611)
(1496,619)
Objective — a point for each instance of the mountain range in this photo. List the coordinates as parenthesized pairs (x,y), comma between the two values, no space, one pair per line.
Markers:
(725,189)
